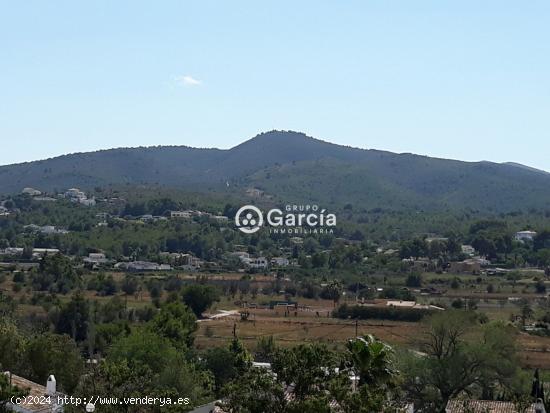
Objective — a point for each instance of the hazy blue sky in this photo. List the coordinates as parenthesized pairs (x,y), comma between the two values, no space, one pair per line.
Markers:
(466,79)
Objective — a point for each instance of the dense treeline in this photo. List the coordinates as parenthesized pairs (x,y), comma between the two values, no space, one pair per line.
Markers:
(361,312)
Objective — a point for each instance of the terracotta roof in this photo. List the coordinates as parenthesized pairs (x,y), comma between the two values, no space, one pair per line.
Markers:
(36,390)
(483,406)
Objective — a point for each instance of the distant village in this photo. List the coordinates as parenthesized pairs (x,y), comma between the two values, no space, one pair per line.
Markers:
(473,262)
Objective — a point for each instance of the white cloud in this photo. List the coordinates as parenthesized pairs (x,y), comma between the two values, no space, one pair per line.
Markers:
(187,81)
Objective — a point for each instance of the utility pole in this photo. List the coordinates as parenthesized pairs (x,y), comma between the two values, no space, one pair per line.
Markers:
(356,327)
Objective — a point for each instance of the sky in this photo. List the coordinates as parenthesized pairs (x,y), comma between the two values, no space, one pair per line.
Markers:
(466,80)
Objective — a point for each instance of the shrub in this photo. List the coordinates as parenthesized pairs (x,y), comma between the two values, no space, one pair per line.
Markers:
(380,313)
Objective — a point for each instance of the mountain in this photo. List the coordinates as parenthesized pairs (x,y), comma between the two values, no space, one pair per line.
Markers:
(293,167)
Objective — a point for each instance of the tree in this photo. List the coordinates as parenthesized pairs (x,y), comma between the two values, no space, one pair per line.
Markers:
(332,291)
(242,359)
(484,245)
(309,366)
(310,378)
(416,248)
(146,364)
(255,391)
(12,347)
(58,355)
(175,322)
(319,260)
(542,240)
(457,361)
(526,311)
(265,349)
(540,287)
(221,361)
(200,297)
(7,391)
(56,273)
(414,280)
(371,361)
(74,318)
(144,348)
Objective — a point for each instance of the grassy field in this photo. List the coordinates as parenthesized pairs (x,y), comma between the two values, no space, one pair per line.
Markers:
(313,321)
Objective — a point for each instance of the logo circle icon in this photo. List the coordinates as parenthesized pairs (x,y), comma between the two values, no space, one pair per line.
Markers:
(249,219)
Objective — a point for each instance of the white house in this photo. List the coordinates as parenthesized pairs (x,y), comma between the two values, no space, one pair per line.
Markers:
(220,219)
(40,252)
(242,255)
(78,196)
(140,266)
(468,250)
(87,201)
(12,251)
(525,236)
(280,261)
(31,191)
(258,262)
(180,214)
(96,258)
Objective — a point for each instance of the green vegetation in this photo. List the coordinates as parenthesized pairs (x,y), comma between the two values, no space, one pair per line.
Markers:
(380,313)
(290,165)
(115,326)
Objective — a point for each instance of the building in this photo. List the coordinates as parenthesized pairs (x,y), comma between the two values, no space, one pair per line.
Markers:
(12,251)
(102,216)
(429,240)
(254,192)
(143,266)
(181,214)
(280,261)
(420,264)
(413,305)
(87,201)
(44,199)
(489,406)
(243,256)
(189,261)
(258,262)
(465,267)
(38,253)
(468,250)
(185,261)
(220,219)
(46,229)
(96,258)
(31,191)
(523,236)
(75,194)
(50,399)
(78,196)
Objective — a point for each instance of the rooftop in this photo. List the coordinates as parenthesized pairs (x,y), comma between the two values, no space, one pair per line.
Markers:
(36,390)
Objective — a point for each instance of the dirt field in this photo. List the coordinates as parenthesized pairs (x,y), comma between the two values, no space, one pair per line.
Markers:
(306,326)
(294,330)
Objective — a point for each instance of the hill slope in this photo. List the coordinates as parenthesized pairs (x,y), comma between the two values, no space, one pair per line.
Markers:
(293,167)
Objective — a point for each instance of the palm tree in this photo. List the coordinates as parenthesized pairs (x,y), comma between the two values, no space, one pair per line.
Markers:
(371,360)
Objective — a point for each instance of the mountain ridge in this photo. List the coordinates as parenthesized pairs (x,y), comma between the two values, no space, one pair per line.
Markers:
(286,164)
